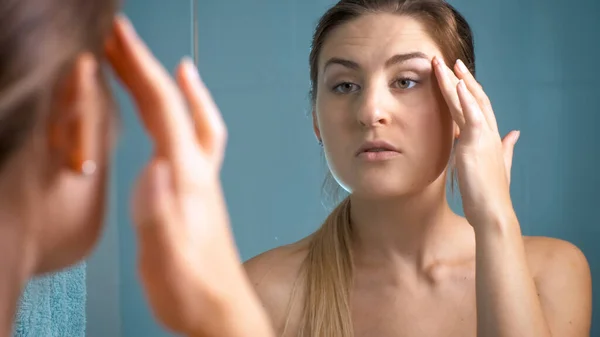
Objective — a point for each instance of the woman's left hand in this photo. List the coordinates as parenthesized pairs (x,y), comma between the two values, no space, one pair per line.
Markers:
(483,160)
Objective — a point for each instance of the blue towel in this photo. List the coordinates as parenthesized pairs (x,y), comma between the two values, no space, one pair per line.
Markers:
(53,305)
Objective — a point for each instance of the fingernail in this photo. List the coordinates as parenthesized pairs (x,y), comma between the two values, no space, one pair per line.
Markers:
(126,23)
(461,84)
(190,68)
(441,65)
(517,135)
(461,66)
(122,17)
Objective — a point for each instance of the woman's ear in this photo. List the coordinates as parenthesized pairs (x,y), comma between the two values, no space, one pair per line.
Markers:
(74,127)
(316,127)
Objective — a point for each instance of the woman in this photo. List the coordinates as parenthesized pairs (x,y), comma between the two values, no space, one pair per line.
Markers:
(393,259)
(56,136)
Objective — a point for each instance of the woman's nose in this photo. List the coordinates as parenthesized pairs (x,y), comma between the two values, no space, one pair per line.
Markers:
(372,109)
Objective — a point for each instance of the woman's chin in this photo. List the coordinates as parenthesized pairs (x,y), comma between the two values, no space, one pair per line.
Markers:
(381,188)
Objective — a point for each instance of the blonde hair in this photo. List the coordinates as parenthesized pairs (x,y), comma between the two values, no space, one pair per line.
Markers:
(327,270)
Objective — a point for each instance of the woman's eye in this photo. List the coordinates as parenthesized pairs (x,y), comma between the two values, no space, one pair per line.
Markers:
(345,88)
(404,83)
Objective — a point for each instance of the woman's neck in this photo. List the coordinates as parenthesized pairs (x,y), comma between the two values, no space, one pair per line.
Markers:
(14,272)
(18,214)
(414,232)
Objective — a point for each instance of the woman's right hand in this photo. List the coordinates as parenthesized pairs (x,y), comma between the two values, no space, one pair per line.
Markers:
(188,262)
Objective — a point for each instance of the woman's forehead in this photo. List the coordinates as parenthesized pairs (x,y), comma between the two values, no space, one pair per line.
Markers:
(377,37)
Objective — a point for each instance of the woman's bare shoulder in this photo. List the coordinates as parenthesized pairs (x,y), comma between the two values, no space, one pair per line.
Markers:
(563,280)
(278,265)
(275,277)
(545,255)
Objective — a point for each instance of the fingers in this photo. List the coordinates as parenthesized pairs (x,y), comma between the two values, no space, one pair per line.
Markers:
(209,125)
(159,102)
(477,90)
(508,146)
(471,110)
(447,82)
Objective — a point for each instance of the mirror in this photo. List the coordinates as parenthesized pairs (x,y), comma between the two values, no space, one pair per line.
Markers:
(535,61)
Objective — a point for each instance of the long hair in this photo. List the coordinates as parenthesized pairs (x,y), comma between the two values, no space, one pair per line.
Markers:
(328,267)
